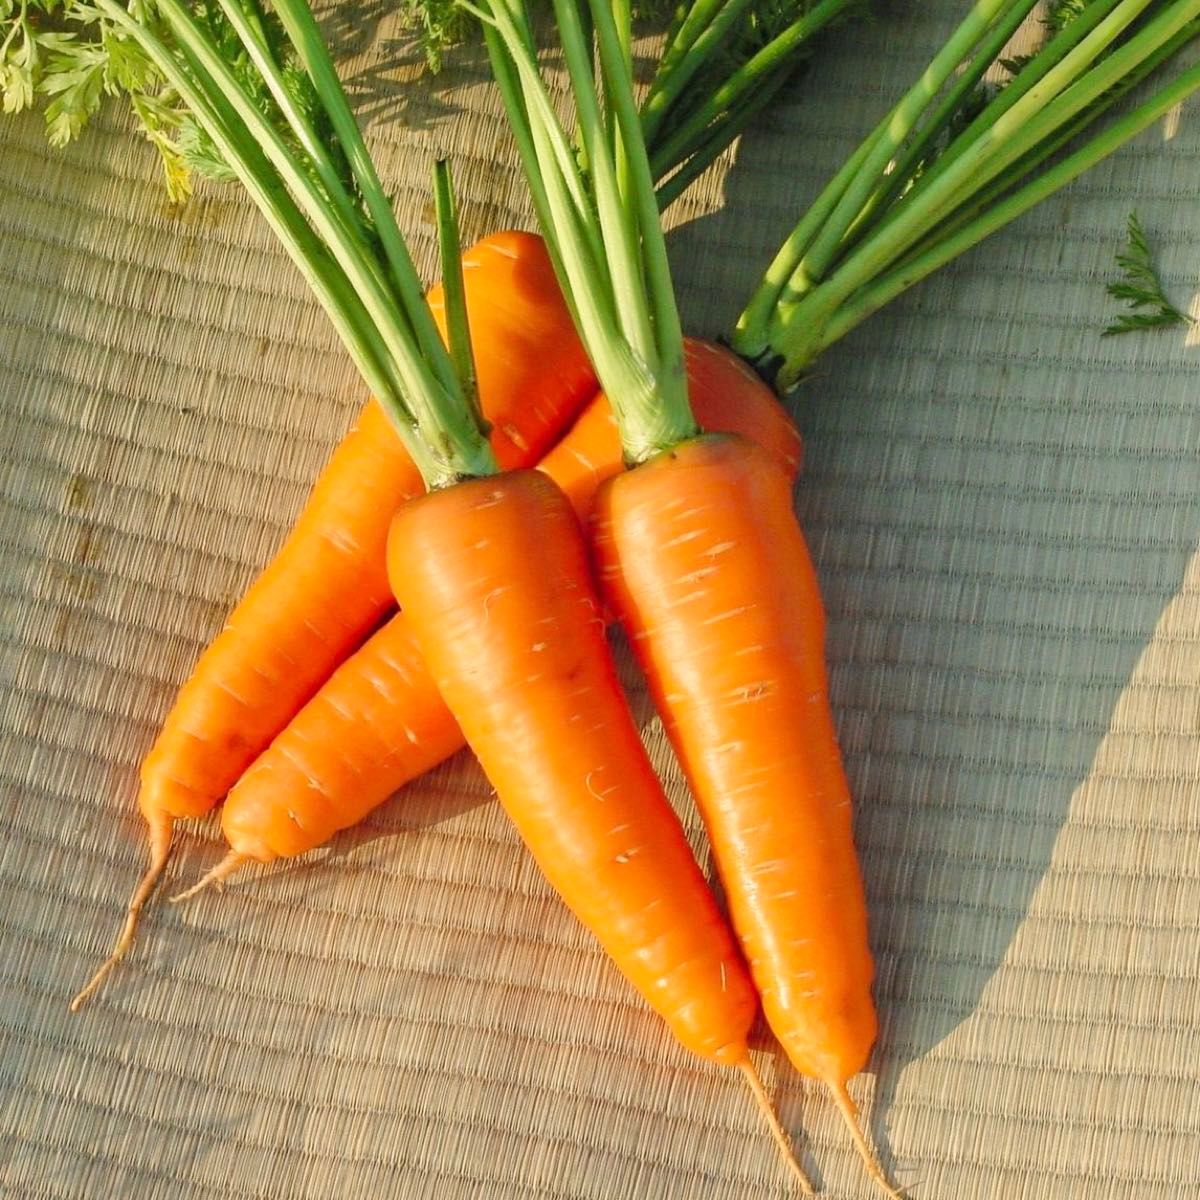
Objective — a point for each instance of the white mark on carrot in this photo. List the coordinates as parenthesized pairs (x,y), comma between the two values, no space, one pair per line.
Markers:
(728,614)
(592,791)
(514,435)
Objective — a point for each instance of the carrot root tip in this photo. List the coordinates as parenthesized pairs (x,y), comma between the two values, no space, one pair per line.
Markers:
(777,1131)
(866,1151)
(232,862)
(160,851)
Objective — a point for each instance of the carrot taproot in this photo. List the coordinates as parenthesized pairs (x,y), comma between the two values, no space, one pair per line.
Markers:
(327,585)
(702,559)
(378,721)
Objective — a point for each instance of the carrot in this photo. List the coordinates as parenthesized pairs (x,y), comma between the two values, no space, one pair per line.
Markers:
(702,558)
(327,585)
(378,721)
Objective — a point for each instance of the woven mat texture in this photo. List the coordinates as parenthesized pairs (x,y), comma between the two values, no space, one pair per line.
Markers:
(1005,513)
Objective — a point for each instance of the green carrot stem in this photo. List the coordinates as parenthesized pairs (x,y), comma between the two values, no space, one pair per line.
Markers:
(617,219)
(890,284)
(668,420)
(572,237)
(824,248)
(511,20)
(689,23)
(1025,166)
(248,26)
(675,75)
(778,55)
(1045,109)
(751,335)
(637,351)
(900,176)
(1033,72)
(458,327)
(327,280)
(718,137)
(301,28)
(440,416)
(1069,85)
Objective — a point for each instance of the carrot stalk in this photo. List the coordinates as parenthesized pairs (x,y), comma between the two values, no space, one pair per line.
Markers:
(951,164)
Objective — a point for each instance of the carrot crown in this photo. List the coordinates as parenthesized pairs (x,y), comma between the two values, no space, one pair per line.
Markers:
(967,149)
(323,198)
(601,220)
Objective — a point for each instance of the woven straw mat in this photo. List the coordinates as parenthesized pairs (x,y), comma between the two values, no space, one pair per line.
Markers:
(1005,511)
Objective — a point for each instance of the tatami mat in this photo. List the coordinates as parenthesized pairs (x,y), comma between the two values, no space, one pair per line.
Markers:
(1005,513)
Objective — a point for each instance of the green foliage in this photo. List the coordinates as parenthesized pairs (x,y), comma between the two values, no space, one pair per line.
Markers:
(438,23)
(65,56)
(1060,13)
(1141,289)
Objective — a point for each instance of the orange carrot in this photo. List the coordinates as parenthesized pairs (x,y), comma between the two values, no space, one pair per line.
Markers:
(703,560)
(378,722)
(493,576)
(327,585)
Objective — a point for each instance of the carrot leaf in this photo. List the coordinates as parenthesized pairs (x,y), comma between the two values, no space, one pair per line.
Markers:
(719,69)
(1141,288)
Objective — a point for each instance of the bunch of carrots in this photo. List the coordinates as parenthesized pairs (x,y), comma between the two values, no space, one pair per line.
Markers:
(545,448)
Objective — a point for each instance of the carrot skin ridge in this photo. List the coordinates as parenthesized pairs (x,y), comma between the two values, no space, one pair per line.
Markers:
(521,659)
(297,794)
